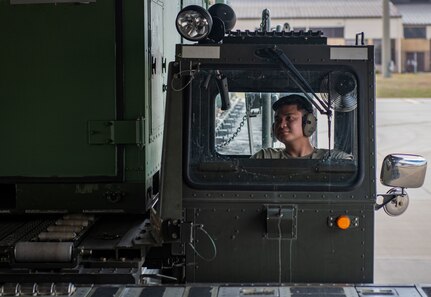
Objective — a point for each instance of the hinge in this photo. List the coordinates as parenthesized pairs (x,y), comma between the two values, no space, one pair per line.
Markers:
(163,65)
(117,132)
(153,65)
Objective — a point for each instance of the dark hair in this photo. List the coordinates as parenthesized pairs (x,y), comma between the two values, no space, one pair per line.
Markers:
(299,100)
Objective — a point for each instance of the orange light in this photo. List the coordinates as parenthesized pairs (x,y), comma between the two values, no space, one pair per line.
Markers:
(343,222)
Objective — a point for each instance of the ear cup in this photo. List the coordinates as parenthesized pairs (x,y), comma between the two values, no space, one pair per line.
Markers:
(309,124)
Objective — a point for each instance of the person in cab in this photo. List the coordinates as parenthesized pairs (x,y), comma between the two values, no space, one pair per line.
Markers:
(294,123)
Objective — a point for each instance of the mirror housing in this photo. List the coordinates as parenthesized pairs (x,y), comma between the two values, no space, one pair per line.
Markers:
(403,170)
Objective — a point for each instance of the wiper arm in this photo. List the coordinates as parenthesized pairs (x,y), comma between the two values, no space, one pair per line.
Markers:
(298,79)
(303,85)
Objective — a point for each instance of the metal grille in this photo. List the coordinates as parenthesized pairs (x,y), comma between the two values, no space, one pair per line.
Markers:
(284,37)
(24,232)
(8,228)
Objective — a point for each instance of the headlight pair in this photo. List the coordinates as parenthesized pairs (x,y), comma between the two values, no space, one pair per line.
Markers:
(194,23)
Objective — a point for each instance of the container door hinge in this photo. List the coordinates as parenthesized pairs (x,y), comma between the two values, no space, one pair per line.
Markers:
(117,132)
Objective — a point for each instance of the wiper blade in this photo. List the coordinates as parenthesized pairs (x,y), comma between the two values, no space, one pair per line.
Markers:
(297,78)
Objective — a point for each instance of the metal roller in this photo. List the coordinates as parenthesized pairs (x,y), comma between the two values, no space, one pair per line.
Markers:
(10,289)
(61,236)
(26,251)
(78,217)
(64,228)
(63,222)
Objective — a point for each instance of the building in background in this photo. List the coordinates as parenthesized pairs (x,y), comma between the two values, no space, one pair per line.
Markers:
(416,43)
(341,20)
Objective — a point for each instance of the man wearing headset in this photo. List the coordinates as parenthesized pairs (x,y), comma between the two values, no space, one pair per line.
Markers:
(294,123)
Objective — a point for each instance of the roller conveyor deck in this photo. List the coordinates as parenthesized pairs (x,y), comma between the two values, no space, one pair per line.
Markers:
(204,290)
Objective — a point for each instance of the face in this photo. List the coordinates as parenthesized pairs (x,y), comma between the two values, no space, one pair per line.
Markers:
(288,124)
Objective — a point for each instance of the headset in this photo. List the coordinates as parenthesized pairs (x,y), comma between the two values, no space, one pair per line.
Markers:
(309,124)
(309,120)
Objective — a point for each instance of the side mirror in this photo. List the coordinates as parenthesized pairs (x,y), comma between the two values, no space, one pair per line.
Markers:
(400,171)
(403,171)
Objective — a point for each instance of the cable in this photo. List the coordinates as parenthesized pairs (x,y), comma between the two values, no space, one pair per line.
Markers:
(178,76)
(280,216)
(201,227)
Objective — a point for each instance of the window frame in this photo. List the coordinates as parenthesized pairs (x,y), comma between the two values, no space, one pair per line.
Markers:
(218,166)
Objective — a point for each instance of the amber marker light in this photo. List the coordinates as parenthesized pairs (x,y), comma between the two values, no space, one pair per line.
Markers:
(343,222)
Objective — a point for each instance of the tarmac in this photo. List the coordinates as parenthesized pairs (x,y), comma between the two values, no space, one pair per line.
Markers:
(403,243)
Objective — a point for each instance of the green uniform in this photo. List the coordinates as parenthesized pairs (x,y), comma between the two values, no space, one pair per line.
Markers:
(281,153)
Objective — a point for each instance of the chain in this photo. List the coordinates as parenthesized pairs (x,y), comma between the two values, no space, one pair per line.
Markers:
(235,134)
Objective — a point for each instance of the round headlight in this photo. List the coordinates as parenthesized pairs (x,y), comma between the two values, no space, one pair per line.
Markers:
(218,30)
(225,13)
(194,23)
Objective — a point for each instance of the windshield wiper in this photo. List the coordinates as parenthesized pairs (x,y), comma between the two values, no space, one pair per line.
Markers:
(323,107)
(296,77)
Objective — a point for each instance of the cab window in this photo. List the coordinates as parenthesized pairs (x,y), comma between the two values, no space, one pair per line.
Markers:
(230,122)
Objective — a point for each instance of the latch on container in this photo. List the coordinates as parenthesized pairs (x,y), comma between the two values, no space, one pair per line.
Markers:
(117,132)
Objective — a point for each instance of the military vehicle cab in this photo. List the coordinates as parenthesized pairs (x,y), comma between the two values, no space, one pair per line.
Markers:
(241,219)
(102,196)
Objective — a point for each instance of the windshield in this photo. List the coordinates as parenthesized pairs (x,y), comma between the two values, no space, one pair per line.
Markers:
(234,140)
(246,127)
